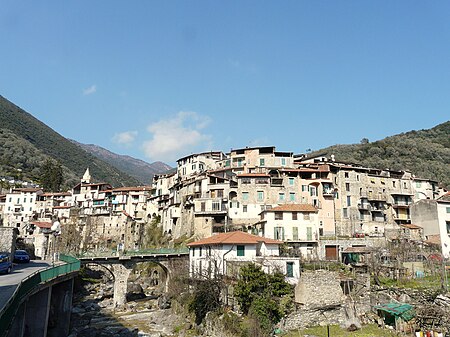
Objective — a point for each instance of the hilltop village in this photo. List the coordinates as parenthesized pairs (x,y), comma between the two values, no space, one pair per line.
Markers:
(312,204)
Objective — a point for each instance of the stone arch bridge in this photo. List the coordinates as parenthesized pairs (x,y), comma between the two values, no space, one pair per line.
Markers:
(173,264)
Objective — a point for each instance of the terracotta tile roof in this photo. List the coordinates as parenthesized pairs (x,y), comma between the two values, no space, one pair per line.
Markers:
(58,194)
(42,224)
(410,226)
(293,208)
(236,237)
(132,188)
(27,189)
(434,239)
(445,197)
(247,175)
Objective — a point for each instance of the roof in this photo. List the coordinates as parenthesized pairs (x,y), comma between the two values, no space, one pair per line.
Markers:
(132,188)
(445,197)
(434,239)
(248,175)
(236,237)
(27,189)
(56,194)
(410,226)
(293,208)
(362,250)
(402,310)
(42,224)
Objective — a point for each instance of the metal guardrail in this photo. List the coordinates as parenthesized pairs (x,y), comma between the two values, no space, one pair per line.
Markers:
(155,251)
(29,283)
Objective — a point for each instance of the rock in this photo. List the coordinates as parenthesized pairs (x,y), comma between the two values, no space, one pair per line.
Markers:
(78,310)
(88,332)
(164,302)
(352,327)
(134,292)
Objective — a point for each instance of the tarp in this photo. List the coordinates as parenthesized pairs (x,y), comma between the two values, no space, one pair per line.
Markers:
(402,310)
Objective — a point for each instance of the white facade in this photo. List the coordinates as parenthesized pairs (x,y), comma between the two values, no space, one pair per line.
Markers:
(209,258)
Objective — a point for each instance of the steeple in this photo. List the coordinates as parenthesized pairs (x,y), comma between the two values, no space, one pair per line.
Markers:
(86,177)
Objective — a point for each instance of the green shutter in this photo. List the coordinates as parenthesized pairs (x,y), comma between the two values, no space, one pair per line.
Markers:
(240,250)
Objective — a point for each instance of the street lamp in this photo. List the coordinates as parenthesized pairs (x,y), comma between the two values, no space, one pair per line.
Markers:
(56,232)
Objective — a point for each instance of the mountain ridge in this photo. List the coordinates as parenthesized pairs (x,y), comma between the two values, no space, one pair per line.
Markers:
(136,168)
(33,135)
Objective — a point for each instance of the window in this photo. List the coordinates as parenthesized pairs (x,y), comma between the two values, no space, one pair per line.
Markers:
(306,216)
(448,209)
(278,215)
(24,200)
(295,233)
(346,174)
(347,187)
(357,177)
(393,184)
(292,196)
(240,250)
(193,167)
(278,233)
(10,199)
(244,196)
(349,201)
(261,161)
(294,216)
(244,208)
(305,188)
(227,163)
(283,161)
(289,269)
(239,162)
(260,195)
(281,196)
(313,191)
(216,206)
(344,213)
(309,236)
(200,252)
(291,181)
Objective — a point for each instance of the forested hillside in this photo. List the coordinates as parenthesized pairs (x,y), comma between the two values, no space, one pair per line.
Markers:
(25,143)
(426,153)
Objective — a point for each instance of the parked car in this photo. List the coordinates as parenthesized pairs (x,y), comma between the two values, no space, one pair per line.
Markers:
(21,256)
(5,264)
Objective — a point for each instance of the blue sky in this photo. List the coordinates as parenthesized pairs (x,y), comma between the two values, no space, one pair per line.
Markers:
(158,80)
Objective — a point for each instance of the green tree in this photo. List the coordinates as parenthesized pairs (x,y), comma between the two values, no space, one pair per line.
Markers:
(206,298)
(51,176)
(262,296)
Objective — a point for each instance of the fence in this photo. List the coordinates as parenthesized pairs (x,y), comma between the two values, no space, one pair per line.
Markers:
(30,283)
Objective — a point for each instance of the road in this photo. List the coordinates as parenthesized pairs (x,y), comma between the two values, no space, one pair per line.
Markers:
(9,282)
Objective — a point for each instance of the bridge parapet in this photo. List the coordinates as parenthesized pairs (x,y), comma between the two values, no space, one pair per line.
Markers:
(31,284)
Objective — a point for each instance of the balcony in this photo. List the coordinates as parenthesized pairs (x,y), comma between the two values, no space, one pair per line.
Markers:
(364,207)
(328,192)
(213,206)
(401,204)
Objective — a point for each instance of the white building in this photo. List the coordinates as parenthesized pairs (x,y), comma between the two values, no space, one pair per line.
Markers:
(20,205)
(295,224)
(434,217)
(225,253)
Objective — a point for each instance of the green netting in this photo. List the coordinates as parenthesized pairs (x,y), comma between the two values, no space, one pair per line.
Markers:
(402,310)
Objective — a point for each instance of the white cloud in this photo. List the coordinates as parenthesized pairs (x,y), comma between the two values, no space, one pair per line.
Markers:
(89,91)
(177,136)
(124,138)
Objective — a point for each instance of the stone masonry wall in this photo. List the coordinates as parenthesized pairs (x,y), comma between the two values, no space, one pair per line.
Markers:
(321,301)
(7,240)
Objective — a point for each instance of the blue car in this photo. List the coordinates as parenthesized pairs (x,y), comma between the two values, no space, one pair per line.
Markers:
(21,256)
(5,264)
